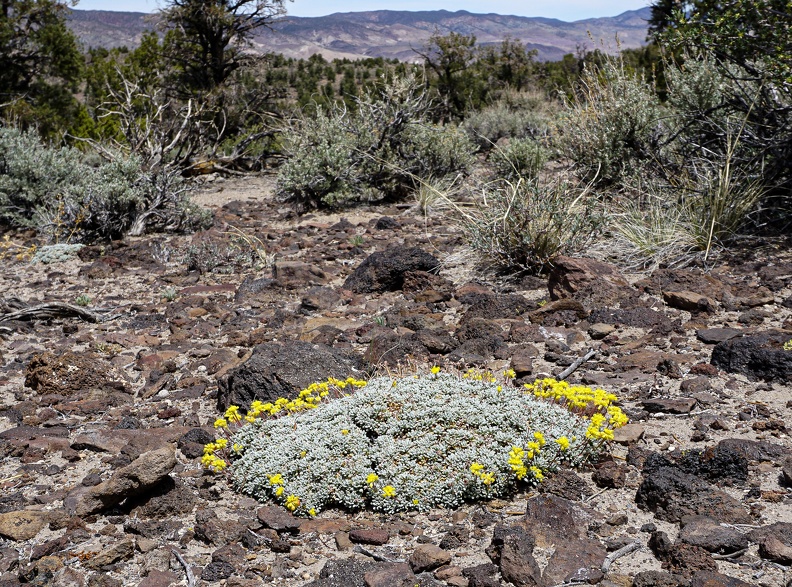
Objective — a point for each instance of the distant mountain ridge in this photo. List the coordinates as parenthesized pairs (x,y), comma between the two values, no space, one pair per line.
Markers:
(391,33)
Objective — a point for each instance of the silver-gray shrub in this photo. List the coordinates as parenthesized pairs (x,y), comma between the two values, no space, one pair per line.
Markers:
(519,158)
(516,115)
(611,125)
(57,193)
(382,149)
(418,435)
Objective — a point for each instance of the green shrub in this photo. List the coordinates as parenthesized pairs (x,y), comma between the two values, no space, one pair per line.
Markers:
(413,443)
(611,124)
(519,158)
(524,224)
(54,191)
(382,150)
(515,115)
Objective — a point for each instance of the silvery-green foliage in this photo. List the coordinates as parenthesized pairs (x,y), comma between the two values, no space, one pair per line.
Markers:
(55,253)
(382,149)
(610,127)
(519,158)
(501,120)
(56,192)
(418,435)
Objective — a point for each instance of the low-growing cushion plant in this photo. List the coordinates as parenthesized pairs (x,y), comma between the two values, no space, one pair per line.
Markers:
(411,443)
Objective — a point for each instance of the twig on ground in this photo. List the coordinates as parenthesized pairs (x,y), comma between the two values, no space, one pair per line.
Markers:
(591,497)
(737,554)
(574,366)
(54,310)
(379,558)
(617,554)
(187,569)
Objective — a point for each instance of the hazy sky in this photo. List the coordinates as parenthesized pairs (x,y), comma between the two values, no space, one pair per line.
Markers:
(562,9)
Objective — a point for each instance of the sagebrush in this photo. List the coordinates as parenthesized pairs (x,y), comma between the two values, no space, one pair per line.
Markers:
(382,150)
(66,199)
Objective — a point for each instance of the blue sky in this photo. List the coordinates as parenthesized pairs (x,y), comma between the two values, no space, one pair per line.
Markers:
(562,9)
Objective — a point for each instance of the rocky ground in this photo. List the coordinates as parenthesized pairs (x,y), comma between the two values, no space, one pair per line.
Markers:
(102,424)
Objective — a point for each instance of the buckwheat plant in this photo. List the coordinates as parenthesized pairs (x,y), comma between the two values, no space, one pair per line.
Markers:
(411,443)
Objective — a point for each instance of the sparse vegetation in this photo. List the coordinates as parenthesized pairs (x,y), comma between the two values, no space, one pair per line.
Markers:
(380,151)
(522,225)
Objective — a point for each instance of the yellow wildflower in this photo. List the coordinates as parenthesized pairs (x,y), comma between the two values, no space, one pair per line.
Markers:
(232,414)
(563,442)
(276,479)
(221,443)
(435,370)
(389,491)
(509,374)
(345,432)
(279,490)
(292,503)
(221,423)
(372,478)
(476,468)
(487,478)
(537,473)
(312,512)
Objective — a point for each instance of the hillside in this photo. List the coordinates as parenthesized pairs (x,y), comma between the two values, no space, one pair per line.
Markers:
(389,33)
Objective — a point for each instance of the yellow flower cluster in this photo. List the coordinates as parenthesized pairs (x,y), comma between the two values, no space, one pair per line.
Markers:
(389,491)
(606,417)
(486,477)
(307,399)
(574,396)
(518,456)
(209,459)
(476,375)
(517,462)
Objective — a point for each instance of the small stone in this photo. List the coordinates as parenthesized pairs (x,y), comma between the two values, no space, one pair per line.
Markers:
(690,301)
(121,551)
(157,578)
(428,557)
(713,579)
(140,476)
(772,549)
(390,575)
(374,536)
(216,571)
(22,525)
(278,519)
(628,434)
(670,406)
(600,330)
(711,536)
(342,541)
(716,335)
(610,476)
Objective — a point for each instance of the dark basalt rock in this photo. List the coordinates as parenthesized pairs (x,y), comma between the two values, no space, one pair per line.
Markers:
(673,494)
(759,356)
(384,271)
(281,370)
(708,534)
